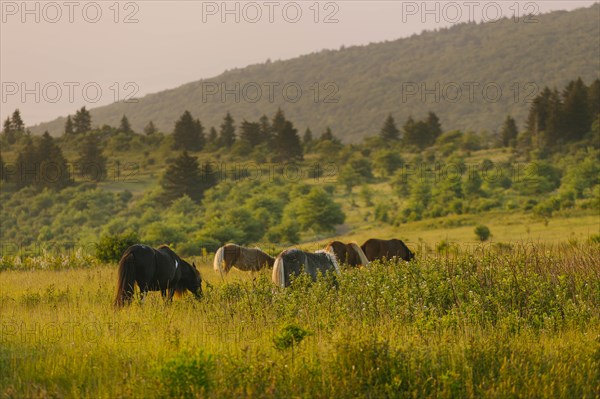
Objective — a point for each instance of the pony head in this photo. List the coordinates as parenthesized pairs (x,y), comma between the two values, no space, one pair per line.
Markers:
(191,279)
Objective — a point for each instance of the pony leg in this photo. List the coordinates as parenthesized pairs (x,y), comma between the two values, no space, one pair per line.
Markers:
(171,293)
(143,296)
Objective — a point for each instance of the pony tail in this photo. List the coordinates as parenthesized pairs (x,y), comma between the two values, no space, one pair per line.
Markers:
(278,276)
(360,253)
(126,279)
(218,261)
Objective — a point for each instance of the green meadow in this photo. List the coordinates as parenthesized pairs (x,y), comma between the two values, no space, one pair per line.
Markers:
(519,321)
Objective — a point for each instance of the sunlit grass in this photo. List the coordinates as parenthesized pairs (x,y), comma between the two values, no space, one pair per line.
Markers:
(497,323)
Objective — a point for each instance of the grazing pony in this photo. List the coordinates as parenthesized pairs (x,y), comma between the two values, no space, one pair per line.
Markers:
(246,259)
(350,253)
(386,249)
(158,269)
(292,262)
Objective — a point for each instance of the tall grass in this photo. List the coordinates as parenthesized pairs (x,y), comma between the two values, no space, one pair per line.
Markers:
(507,322)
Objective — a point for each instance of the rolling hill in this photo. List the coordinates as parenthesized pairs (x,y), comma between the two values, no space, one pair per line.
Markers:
(471,75)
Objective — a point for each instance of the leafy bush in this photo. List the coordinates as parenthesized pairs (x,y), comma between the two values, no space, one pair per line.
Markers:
(186,375)
(482,232)
(290,335)
(111,247)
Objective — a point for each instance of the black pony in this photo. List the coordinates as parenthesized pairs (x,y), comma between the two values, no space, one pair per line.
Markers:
(155,270)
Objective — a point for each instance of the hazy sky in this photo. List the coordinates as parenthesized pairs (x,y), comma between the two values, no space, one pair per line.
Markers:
(58,56)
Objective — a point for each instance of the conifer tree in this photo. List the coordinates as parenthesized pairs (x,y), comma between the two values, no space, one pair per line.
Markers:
(125,126)
(250,132)
(2,168)
(576,112)
(286,142)
(27,166)
(54,172)
(17,123)
(265,129)
(91,162)
(509,132)
(183,177)
(434,126)
(227,136)
(389,131)
(82,121)
(213,135)
(69,126)
(150,129)
(188,133)
(8,132)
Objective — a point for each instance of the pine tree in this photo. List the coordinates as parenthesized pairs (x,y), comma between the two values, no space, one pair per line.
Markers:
(27,167)
(213,135)
(82,121)
(307,137)
(327,135)
(125,126)
(416,133)
(538,112)
(91,162)
(69,126)
(434,127)
(576,112)
(265,129)
(183,177)
(227,136)
(554,124)
(250,132)
(2,169)
(17,123)
(389,131)
(8,132)
(54,172)
(594,99)
(150,129)
(286,142)
(188,133)
(509,132)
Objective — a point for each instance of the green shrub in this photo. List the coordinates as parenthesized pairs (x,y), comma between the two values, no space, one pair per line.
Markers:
(482,232)
(289,336)
(111,247)
(186,375)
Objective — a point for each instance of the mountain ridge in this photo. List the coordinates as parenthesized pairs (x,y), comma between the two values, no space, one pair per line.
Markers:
(495,67)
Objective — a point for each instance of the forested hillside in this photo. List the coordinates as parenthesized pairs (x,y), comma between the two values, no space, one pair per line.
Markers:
(505,64)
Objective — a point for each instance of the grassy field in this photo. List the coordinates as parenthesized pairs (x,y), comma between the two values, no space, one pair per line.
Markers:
(519,322)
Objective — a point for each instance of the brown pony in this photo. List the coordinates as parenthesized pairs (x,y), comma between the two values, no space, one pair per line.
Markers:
(386,249)
(246,259)
(152,269)
(350,253)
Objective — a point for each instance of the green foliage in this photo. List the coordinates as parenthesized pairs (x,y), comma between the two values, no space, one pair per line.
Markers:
(111,247)
(315,211)
(187,374)
(482,232)
(289,336)
(188,134)
(91,162)
(82,121)
(184,177)
(389,131)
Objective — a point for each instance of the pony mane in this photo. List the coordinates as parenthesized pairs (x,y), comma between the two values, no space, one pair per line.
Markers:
(360,253)
(332,258)
(218,261)
(278,275)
